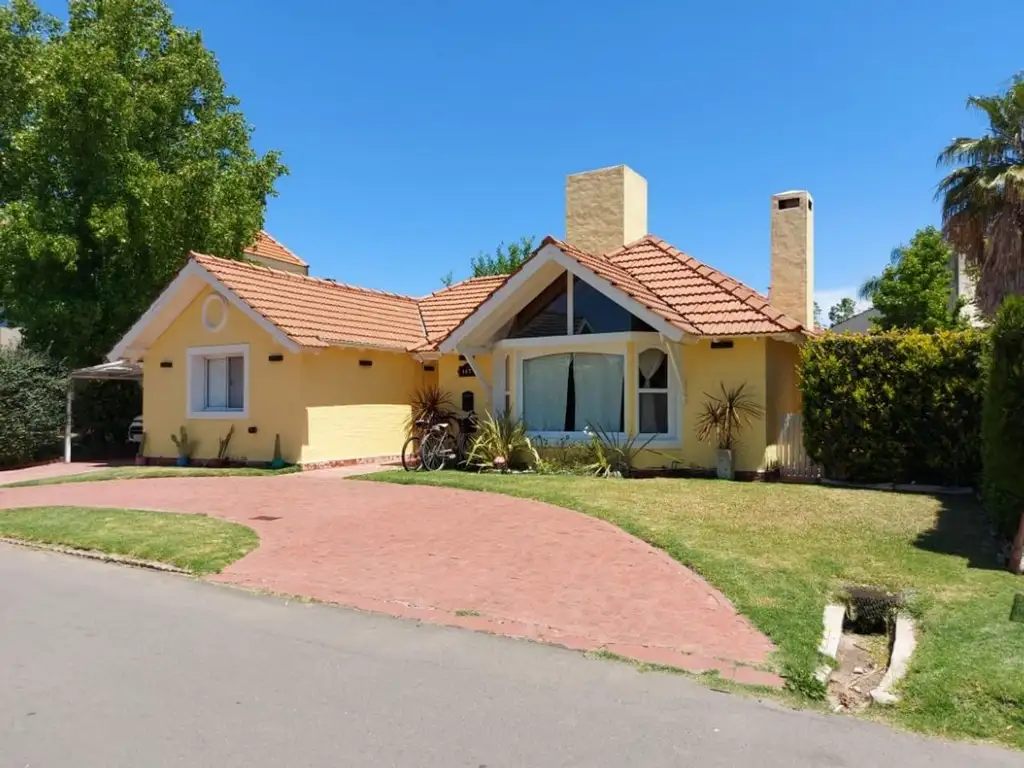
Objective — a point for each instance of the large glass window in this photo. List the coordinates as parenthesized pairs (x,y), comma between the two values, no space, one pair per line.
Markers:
(653,391)
(546,315)
(593,312)
(569,392)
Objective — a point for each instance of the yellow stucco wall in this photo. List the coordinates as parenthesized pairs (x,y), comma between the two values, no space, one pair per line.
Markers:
(449,381)
(354,411)
(274,406)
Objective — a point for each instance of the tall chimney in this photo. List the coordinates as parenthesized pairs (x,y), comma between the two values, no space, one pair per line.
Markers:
(605,209)
(792,288)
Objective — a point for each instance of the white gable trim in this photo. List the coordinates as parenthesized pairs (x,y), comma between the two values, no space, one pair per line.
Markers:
(551,253)
(152,315)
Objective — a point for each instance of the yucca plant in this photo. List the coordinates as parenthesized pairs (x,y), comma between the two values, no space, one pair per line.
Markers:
(428,404)
(722,418)
(500,442)
(615,453)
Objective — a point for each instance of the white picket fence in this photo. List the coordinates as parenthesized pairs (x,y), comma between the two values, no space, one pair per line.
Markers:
(791,454)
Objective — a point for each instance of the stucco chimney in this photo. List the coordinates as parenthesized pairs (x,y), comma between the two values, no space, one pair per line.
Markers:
(792,288)
(605,209)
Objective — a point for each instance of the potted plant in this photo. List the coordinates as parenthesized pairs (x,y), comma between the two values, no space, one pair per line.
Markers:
(720,421)
(140,457)
(222,451)
(184,446)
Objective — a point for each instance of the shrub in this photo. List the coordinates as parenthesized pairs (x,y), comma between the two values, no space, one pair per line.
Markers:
(33,401)
(1002,430)
(429,404)
(901,406)
(564,456)
(500,442)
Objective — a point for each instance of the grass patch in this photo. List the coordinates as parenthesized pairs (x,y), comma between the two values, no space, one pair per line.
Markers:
(196,543)
(467,612)
(780,552)
(138,473)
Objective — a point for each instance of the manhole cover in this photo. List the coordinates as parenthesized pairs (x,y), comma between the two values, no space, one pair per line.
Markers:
(268,518)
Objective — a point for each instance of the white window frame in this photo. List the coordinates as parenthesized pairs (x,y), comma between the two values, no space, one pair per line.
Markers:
(672,437)
(195,382)
(519,350)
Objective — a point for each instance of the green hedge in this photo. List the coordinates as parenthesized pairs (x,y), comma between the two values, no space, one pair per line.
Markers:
(900,406)
(33,399)
(1003,420)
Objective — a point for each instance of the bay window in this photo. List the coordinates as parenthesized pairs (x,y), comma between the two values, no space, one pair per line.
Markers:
(568,392)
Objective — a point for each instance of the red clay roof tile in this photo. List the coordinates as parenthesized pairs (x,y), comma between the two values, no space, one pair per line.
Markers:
(268,248)
(686,293)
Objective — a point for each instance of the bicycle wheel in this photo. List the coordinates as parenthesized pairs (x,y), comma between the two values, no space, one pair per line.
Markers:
(412,454)
(433,451)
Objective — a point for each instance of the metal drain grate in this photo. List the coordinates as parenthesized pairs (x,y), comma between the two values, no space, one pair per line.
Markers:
(267,518)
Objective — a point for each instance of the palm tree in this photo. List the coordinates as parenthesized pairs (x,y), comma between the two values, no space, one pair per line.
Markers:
(983,197)
(869,286)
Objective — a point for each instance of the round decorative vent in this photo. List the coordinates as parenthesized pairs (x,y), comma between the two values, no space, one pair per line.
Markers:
(215,312)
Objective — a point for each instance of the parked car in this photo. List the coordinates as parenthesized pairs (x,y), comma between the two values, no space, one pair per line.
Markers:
(135,430)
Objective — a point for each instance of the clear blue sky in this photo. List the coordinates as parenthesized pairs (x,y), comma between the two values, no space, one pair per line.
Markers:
(419,133)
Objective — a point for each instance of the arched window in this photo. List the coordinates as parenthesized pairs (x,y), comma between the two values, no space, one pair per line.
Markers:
(653,391)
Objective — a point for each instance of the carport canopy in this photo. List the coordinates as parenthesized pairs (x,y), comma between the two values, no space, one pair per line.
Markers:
(117,370)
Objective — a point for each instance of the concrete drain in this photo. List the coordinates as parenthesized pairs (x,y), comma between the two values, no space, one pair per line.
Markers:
(870,639)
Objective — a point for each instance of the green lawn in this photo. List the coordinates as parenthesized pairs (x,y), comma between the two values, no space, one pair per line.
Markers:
(780,551)
(196,543)
(132,472)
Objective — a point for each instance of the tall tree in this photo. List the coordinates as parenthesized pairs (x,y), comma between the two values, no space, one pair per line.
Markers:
(119,152)
(504,260)
(915,289)
(983,197)
(842,311)
(817,315)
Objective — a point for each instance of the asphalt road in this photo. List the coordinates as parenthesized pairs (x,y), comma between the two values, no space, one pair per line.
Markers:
(108,666)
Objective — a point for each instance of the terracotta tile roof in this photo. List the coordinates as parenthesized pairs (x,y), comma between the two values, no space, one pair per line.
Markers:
(318,313)
(710,301)
(623,279)
(267,247)
(315,312)
(445,309)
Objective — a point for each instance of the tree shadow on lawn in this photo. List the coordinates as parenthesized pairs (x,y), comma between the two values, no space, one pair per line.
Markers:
(963,529)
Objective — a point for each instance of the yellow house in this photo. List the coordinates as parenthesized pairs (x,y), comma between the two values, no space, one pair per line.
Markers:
(609,326)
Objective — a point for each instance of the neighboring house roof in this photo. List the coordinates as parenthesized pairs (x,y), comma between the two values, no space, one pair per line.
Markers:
(266,247)
(859,323)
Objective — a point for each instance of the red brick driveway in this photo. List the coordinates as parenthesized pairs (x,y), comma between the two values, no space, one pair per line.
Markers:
(481,561)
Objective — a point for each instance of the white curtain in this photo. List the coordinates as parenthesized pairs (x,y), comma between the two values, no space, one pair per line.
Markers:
(650,361)
(216,383)
(545,390)
(599,382)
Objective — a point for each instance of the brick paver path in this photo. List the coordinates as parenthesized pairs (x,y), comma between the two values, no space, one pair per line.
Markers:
(480,561)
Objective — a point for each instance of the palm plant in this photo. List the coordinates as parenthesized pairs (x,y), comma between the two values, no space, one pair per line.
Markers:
(429,404)
(983,197)
(722,418)
(615,452)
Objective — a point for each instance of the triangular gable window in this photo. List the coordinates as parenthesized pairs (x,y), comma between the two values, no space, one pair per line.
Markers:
(593,312)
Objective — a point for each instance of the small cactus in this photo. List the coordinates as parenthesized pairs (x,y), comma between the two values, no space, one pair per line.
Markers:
(183,444)
(222,452)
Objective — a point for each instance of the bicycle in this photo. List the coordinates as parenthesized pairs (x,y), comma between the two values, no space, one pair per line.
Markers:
(440,445)
(412,449)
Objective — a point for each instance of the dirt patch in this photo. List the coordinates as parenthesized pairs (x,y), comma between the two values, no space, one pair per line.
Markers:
(861,664)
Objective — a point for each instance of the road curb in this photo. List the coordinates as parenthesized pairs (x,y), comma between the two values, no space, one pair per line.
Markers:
(92,554)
